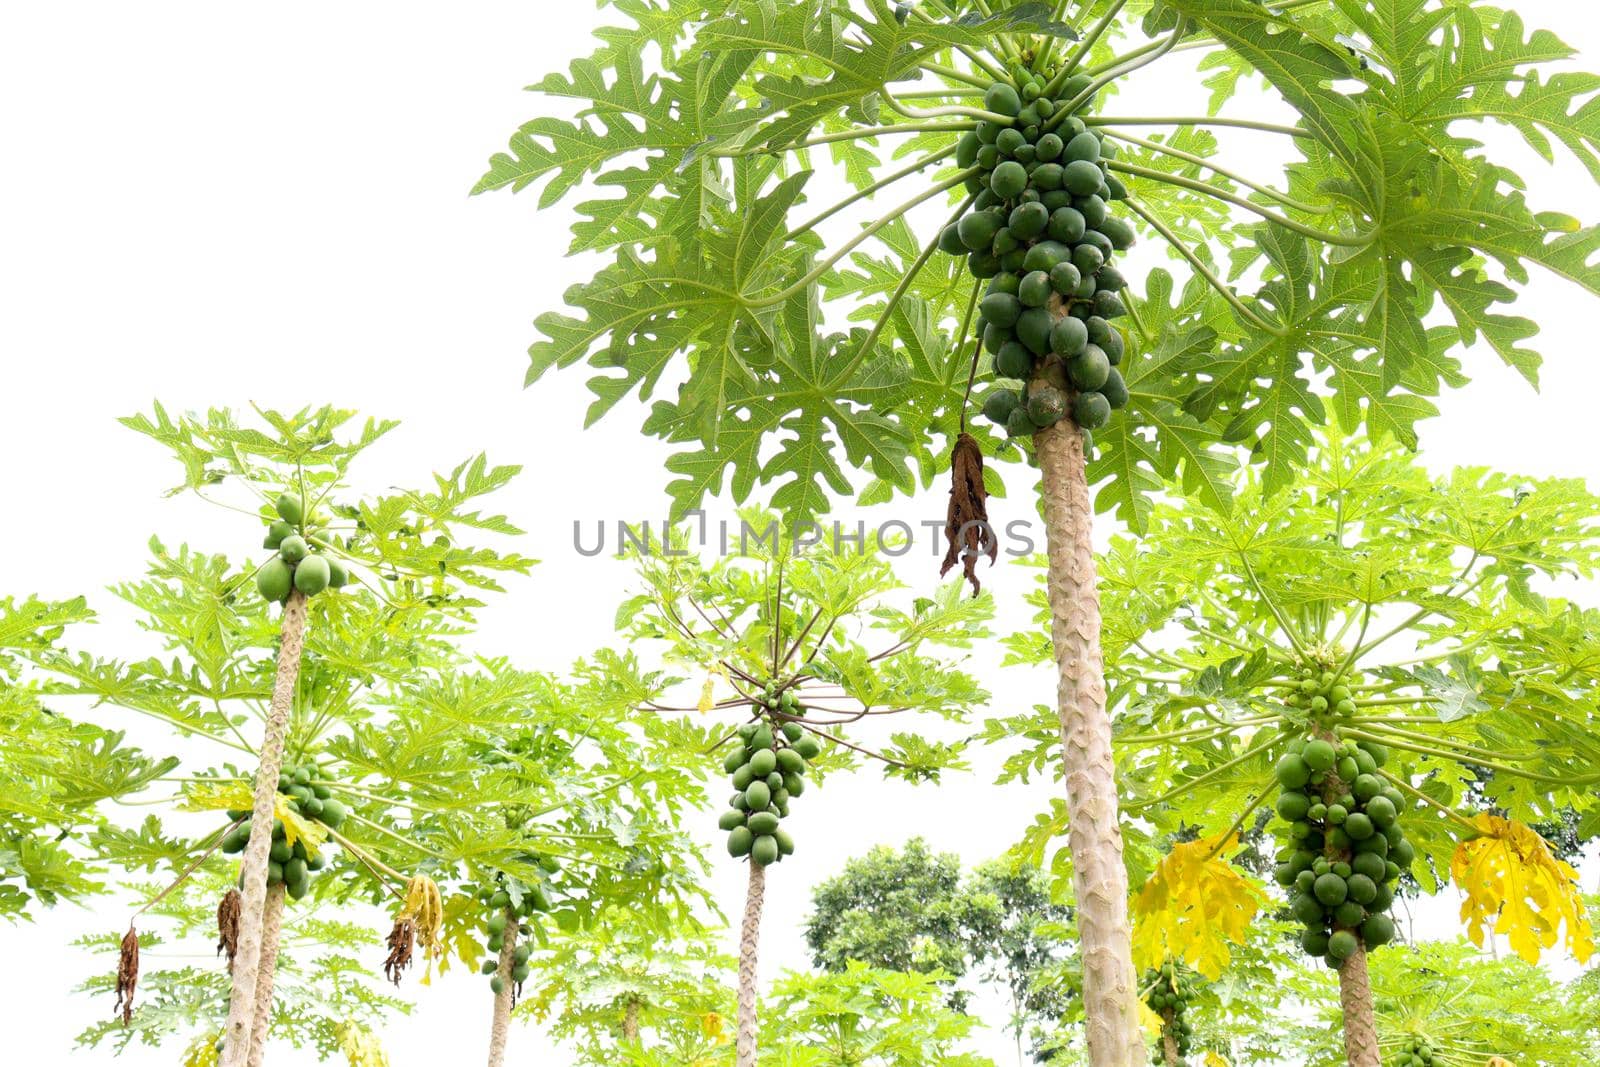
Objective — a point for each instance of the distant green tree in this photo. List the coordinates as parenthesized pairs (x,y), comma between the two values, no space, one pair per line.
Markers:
(912,910)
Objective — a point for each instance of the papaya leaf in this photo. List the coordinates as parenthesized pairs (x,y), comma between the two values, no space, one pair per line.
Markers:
(1514,886)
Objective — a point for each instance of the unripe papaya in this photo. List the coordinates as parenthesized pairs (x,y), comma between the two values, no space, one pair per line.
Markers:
(311,576)
(274,579)
(765,850)
(289,509)
(294,548)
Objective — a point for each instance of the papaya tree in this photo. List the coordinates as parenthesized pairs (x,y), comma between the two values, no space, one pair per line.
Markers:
(872,1017)
(632,990)
(1446,1002)
(1367,654)
(55,771)
(991,179)
(327,996)
(807,643)
(386,587)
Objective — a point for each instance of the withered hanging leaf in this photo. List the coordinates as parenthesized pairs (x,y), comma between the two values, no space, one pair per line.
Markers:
(228,910)
(401,942)
(966,526)
(127,975)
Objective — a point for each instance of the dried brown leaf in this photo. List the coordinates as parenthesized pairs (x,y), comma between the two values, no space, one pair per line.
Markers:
(966,525)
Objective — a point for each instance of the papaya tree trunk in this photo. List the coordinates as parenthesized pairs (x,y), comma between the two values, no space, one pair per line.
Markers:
(1355,999)
(1169,1045)
(266,973)
(1355,986)
(500,1028)
(749,944)
(1094,838)
(630,1021)
(247,960)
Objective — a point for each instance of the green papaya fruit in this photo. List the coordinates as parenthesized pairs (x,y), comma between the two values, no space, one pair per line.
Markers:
(1091,410)
(311,575)
(1033,330)
(274,579)
(765,850)
(289,509)
(1010,178)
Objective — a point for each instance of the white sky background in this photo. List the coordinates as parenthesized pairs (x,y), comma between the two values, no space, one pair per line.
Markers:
(207,205)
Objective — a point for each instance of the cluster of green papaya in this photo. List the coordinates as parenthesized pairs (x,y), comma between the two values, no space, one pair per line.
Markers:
(1324,694)
(1042,233)
(1168,993)
(296,565)
(767,766)
(291,865)
(1346,847)
(504,900)
(1414,1052)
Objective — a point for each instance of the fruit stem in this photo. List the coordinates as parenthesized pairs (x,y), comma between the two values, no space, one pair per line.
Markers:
(1407,787)
(900,290)
(976,57)
(1112,75)
(1115,61)
(1203,120)
(952,111)
(1360,240)
(1464,748)
(376,866)
(1384,737)
(845,135)
(1076,55)
(955,75)
(1196,734)
(1200,267)
(1201,161)
(1194,783)
(1272,605)
(1132,306)
(850,245)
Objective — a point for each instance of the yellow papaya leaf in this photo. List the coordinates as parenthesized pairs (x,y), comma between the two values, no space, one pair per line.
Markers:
(237,795)
(425,908)
(361,1046)
(463,932)
(1153,1024)
(1192,906)
(708,698)
(711,1024)
(204,1051)
(297,827)
(1510,879)
(1214,1060)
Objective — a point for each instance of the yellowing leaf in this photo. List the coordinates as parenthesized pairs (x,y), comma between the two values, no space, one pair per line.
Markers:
(1153,1024)
(1192,906)
(237,795)
(708,698)
(1214,1060)
(204,1051)
(711,1027)
(361,1046)
(1510,879)
(463,931)
(425,909)
(298,828)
